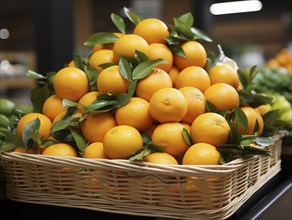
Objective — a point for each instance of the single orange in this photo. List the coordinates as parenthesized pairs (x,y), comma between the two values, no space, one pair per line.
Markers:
(210,128)
(223,96)
(193,76)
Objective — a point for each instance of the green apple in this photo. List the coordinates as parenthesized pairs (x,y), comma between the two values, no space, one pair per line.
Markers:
(281,103)
(287,115)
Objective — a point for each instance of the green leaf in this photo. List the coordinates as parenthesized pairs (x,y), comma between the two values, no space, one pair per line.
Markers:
(35,75)
(67,103)
(101,106)
(250,150)
(235,135)
(61,124)
(38,96)
(79,139)
(134,18)
(144,68)
(271,116)
(125,68)
(139,156)
(64,135)
(101,38)
(183,29)
(243,78)
(140,56)
(155,148)
(92,75)
(177,49)
(252,72)
(146,138)
(123,99)
(78,62)
(186,136)
(201,34)
(187,19)
(210,107)
(31,133)
(119,22)
(240,118)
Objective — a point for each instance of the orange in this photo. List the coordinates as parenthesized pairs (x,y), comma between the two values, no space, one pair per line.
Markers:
(154,81)
(127,44)
(45,124)
(196,103)
(152,30)
(263,109)
(210,128)
(201,154)
(99,57)
(193,76)
(252,116)
(168,105)
(52,106)
(94,150)
(135,113)
(160,158)
(110,80)
(169,135)
(94,127)
(97,47)
(60,149)
(71,63)
(71,83)
(224,73)
(195,53)
(223,96)
(173,73)
(158,50)
(122,141)
(87,100)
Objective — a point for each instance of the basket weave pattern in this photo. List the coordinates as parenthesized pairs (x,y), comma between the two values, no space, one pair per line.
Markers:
(138,188)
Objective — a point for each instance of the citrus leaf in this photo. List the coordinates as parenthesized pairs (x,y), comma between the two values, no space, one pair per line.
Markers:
(67,102)
(187,19)
(61,124)
(201,34)
(181,28)
(64,135)
(139,156)
(133,17)
(140,56)
(35,75)
(235,135)
(125,68)
(38,96)
(92,75)
(146,138)
(100,104)
(155,148)
(144,68)
(101,38)
(119,22)
(123,99)
(177,49)
(271,116)
(132,87)
(240,118)
(106,65)
(79,139)
(78,62)
(250,150)
(186,136)
(31,133)
(210,107)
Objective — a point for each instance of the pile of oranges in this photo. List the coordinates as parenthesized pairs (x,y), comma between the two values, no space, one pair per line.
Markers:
(163,109)
(282,59)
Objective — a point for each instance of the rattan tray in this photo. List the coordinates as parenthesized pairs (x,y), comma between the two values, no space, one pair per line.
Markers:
(138,188)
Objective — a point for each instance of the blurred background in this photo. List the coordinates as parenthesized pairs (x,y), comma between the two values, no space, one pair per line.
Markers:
(43,35)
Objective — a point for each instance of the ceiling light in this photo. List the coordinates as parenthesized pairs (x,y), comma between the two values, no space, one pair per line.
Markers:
(235,7)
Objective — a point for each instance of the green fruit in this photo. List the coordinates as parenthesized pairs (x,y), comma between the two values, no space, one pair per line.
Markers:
(4,121)
(287,115)
(23,108)
(6,106)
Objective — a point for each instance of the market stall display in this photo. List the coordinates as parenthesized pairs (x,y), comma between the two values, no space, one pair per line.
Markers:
(146,120)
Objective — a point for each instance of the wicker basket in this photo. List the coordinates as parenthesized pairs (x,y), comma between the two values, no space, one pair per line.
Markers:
(137,188)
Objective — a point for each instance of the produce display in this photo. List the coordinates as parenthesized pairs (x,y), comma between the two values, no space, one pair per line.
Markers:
(151,95)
